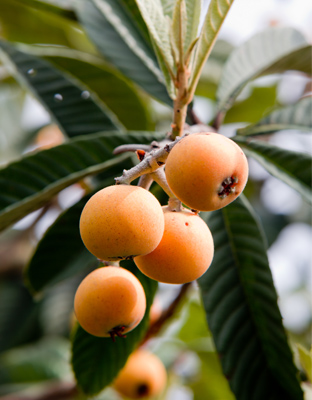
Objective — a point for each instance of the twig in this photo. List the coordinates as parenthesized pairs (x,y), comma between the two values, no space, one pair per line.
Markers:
(151,162)
(59,391)
(157,325)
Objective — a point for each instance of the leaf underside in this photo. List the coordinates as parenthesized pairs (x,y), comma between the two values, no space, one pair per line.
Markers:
(271,51)
(241,306)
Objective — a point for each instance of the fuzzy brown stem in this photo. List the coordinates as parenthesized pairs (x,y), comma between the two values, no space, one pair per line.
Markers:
(181,102)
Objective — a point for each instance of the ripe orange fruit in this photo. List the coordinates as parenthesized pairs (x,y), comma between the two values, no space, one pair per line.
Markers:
(144,375)
(206,171)
(121,221)
(109,301)
(185,251)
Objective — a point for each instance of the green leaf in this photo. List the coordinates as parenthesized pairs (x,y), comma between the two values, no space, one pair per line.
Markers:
(305,357)
(68,102)
(158,25)
(215,16)
(291,167)
(212,384)
(118,93)
(296,116)
(27,184)
(119,39)
(29,363)
(242,311)
(18,314)
(69,259)
(260,101)
(96,361)
(167,6)
(25,22)
(193,12)
(271,51)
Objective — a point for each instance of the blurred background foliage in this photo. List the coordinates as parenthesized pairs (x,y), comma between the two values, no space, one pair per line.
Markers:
(34,332)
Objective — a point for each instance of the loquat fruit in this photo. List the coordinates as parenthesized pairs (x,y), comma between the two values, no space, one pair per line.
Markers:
(144,375)
(184,252)
(121,221)
(206,171)
(109,301)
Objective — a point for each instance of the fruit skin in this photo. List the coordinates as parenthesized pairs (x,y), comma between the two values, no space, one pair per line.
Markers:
(121,221)
(184,253)
(198,165)
(144,375)
(109,297)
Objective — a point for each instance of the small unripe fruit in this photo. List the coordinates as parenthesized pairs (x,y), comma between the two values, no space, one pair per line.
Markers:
(144,375)
(184,253)
(121,221)
(206,171)
(109,301)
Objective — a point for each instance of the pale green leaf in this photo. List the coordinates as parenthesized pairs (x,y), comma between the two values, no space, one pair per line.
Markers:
(120,39)
(193,11)
(168,6)
(158,25)
(178,27)
(296,116)
(216,14)
(267,52)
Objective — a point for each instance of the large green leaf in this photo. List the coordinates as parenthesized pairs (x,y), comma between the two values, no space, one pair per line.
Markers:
(96,361)
(119,94)
(27,184)
(18,314)
(293,168)
(242,312)
(22,21)
(296,116)
(215,16)
(271,51)
(119,39)
(29,363)
(68,102)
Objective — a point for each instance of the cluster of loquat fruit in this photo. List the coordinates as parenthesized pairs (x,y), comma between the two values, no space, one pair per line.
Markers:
(205,171)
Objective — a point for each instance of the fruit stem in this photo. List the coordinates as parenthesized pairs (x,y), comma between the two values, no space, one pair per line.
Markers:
(151,162)
(159,177)
(145,181)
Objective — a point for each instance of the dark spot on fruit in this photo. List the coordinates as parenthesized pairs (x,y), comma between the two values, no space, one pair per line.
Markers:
(117,331)
(186,223)
(142,390)
(227,187)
